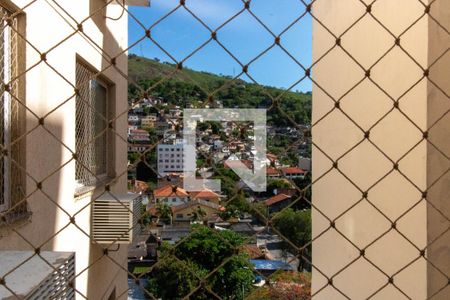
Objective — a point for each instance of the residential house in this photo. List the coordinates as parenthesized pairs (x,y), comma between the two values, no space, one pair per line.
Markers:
(162,126)
(183,214)
(148,121)
(139,136)
(133,119)
(272,173)
(278,202)
(293,172)
(205,195)
(171,195)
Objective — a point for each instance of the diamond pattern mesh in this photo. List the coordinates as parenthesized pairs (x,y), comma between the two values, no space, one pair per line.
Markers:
(213,275)
(12,125)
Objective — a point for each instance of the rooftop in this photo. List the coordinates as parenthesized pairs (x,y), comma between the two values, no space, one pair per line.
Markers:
(277,198)
(292,170)
(197,202)
(170,191)
(205,194)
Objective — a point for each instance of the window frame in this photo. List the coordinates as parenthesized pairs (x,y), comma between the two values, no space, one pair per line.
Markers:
(96,180)
(13,181)
(5,199)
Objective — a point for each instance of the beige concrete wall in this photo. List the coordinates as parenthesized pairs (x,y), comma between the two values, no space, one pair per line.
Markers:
(438,179)
(362,168)
(50,95)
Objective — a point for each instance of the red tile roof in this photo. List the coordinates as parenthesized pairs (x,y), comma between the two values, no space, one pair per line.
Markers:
(277,198)
(272,171)
(170,191)
(140,131)
(205,194)
(293,170)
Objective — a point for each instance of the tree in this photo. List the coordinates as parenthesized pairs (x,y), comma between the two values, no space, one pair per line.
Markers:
(173,279)
(231,211)
(260,211)
(163,211)
(203,251)
(305,185)
(296,227)
(198,214)
(233,279)
(216,127)
(202,126)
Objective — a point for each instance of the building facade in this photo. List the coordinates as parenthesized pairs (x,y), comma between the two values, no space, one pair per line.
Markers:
(64,152)
(170,158)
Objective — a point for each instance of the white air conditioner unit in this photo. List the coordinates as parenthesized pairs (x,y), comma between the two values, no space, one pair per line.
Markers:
(49,275)
(115,218)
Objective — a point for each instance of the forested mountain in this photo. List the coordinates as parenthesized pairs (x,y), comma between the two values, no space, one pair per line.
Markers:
(184,87)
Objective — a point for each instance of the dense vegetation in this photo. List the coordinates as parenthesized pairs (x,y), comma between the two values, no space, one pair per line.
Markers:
(185,87)
(205,250)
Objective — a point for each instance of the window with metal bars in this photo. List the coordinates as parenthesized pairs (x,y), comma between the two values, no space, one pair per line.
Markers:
(12,191)
(91,127)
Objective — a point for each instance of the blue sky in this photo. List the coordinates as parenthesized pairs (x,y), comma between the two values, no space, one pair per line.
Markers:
(181,33)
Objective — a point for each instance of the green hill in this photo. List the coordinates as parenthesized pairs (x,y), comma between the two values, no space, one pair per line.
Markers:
(187,86)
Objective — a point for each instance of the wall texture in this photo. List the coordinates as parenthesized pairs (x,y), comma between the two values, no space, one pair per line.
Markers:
(373,196)
(50,95)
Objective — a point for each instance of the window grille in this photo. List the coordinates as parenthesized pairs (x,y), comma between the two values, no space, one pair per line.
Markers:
(91,127)
(11,119)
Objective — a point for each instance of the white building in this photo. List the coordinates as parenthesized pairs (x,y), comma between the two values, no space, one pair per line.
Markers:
(51,182)
(133,119)
(170,158)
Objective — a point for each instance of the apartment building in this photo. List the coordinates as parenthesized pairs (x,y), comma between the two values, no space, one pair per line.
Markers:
(148,121)
(133,119)
(170,158)
(63,64)
(139,136)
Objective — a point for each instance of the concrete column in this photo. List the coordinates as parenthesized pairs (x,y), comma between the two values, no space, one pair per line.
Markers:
(381,158)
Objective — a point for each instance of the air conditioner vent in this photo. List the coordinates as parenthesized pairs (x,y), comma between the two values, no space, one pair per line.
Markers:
(115,218)
(49,275)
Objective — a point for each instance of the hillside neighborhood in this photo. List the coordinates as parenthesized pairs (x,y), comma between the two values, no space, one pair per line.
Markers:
(171,214)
